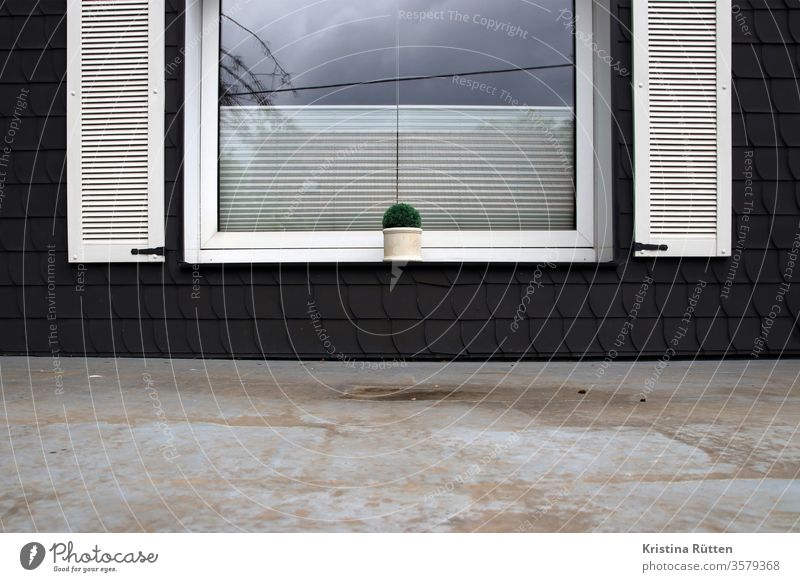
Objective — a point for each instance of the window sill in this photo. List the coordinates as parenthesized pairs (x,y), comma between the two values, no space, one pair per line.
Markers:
(375,255)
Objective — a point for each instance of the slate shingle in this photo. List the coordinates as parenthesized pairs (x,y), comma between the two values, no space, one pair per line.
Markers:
(582,337)
(478,338)
(444,338)
(409,337)
(435,310)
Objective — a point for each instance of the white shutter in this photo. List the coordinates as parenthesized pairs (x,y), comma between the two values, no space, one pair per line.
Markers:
(682,118)
(115,121)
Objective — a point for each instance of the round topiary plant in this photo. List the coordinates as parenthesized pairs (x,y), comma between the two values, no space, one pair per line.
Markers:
(402,216)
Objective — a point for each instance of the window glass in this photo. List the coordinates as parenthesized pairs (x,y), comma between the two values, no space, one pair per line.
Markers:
(332,110)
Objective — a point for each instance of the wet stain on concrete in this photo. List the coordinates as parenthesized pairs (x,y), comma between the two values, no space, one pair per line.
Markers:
(429,447)
(394,394)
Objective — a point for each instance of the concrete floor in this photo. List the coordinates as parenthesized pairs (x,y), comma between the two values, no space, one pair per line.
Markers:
(129,445)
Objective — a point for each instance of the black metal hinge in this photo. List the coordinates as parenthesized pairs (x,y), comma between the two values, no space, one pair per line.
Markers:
(153,251)
(637,246)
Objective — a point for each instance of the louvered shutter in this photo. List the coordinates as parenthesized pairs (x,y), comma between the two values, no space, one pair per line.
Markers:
(682,116)
(115,120)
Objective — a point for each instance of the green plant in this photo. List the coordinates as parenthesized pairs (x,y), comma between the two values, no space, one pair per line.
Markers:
(401,216)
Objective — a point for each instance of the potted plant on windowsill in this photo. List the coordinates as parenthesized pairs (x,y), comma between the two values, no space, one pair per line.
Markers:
(402,233)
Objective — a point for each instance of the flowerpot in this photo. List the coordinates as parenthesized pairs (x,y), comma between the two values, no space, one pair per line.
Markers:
(402,244)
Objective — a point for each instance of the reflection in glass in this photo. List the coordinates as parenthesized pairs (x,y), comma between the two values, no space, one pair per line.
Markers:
(332,110)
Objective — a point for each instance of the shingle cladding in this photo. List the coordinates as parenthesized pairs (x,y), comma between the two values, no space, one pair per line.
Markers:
(632,307)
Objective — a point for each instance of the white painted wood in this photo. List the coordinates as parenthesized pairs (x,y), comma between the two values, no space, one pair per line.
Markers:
(682,117)
(208,208)
(605,64)
(462,239)
(192,133)
(115,120)
(375,255)
(204,243)
(584,122)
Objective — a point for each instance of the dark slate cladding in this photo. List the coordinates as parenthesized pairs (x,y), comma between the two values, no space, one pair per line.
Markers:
(434,311)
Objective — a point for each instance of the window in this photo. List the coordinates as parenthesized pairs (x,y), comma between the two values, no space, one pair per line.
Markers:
(303,122)
(314,116)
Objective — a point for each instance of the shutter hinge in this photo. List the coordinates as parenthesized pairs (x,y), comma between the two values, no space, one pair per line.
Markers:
(153,251)
(637,246)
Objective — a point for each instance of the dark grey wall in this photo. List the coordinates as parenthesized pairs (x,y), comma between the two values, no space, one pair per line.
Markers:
(48,306)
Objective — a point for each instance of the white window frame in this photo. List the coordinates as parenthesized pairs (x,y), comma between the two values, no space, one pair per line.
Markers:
(204,243)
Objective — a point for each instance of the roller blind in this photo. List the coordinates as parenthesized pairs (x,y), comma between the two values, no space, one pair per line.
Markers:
(682,115)
(115,118)
(338,168)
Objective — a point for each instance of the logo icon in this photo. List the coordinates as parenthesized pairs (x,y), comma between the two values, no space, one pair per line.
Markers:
(31,555)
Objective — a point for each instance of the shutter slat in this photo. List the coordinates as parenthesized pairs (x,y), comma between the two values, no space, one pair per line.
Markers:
(115,117)
(682,117)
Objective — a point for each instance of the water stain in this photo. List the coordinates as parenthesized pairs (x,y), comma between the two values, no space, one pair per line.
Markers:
(414,393)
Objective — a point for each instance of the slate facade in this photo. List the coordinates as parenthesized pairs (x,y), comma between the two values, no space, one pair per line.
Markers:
(629,308)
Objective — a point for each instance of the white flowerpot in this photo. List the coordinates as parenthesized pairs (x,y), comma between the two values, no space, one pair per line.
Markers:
(402,244)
